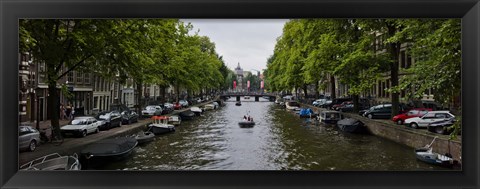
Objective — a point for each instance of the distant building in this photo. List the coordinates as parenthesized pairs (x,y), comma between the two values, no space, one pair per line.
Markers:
(239,74)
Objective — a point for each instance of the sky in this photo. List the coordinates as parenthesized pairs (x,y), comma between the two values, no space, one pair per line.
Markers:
(248,41)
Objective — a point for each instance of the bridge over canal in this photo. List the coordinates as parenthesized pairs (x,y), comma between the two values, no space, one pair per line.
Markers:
(271,96)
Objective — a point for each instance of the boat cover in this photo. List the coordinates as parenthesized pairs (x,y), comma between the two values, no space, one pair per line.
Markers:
(349,121)
(109,147)
(306,112)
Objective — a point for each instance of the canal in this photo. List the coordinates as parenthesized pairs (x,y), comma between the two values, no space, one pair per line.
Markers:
(280,140)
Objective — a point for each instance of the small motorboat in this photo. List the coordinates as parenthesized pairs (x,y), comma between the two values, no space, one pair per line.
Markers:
(238,103)
(352,126)
(427,155)
(307,113)
(174,120)
(107,150)
(187,115)
(144,137)
(246,122)
(53,162)
(196,110)
(209,107)
(331,117)
(160,125)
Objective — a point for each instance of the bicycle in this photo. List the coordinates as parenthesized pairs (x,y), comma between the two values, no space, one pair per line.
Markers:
(56,139)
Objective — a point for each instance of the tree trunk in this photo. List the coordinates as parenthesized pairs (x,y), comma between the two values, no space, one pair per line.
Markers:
(333,93)
(162,93)
(305,90)
(395,50)
(356,104)
(54,107)
(139,97)
(317,92)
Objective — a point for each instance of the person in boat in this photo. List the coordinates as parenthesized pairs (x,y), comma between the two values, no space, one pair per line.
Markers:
(248,119)
(244,118)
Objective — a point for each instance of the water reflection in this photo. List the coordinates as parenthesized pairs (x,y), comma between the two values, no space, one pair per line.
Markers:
(280,140)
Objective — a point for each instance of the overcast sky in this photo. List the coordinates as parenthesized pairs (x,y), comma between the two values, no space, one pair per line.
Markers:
(248,41)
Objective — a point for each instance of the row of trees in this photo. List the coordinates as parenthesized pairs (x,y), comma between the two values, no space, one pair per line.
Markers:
(149,51)
(358,52)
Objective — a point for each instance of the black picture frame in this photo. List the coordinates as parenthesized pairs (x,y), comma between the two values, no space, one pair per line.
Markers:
(11,11)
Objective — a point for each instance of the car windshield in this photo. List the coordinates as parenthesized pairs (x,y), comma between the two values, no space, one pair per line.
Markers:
(78,122)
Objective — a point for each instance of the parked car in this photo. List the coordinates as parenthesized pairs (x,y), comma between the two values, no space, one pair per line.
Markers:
(318,102)
(380,111)
(129,116)
(28,138)
(109,119)
(177,106)
(337,102)
(150,111)
(338,106)
(184,103)
(167,109)
(442,127)
(81,126)
(326,104)
(428,118)
(168,105)
(416,112)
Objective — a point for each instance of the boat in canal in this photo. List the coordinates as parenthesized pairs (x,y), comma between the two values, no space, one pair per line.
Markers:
(187,115)
(144,137)
(53,162)
(330,117)
(174,120)
(307,113)
(160,125)
(209,107)
(427,155)
(246,122)
(352,126)
(107,150)
(238,103)
(196,110)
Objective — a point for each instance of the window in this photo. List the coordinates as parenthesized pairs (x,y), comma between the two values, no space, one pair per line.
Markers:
(409,61)
(402,59)
(95,102)
(70,77)
(440,115)
(79,77)
(86,80)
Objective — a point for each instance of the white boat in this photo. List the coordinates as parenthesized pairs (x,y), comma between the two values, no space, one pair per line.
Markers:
(53,162)
(331,117)
(160,125)
(209,107)
(196,110)
(174,120)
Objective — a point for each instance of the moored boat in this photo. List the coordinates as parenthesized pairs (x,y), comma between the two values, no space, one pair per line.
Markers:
(144,137)
(352,126)
(160,125)
(107,150)
(187,115)
(307,113)
(428,156)
(196,110)
(209,107)
(331,117)
(174,120)
(53,162)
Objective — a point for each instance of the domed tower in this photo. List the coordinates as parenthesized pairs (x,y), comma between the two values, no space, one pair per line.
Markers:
(239,73)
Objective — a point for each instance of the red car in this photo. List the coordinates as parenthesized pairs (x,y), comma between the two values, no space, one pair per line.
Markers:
(416,112)
(338,106)
(177,106)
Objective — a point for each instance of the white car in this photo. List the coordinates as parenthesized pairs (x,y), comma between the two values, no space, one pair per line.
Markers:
(430,117)
(81,126)
(184,103)
(152,111)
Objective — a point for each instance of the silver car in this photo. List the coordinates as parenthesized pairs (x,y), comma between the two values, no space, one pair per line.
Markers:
(28,138)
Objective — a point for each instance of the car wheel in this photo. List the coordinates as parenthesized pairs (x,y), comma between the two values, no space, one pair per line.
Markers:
(369,116)
(399,122)
(414,125)
(129,121)
(84,133)
(32,146)
(97,130)
(119,124)
(439,130)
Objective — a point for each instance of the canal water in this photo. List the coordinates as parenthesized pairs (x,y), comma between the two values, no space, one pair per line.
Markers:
(280,140)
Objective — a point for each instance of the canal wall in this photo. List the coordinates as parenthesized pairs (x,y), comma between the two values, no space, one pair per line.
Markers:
(414,138)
